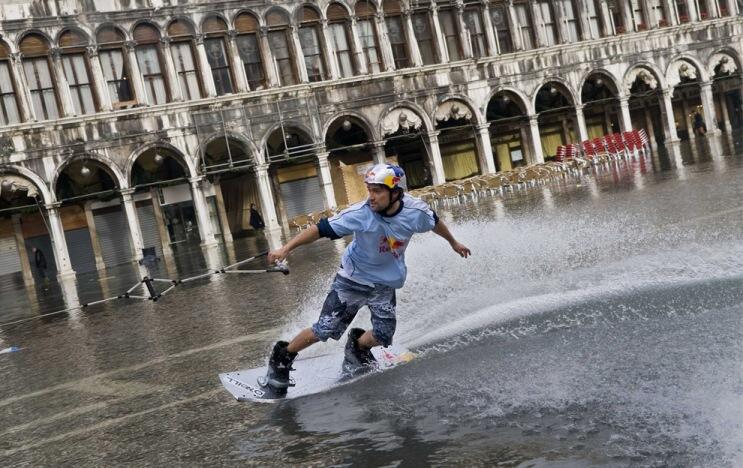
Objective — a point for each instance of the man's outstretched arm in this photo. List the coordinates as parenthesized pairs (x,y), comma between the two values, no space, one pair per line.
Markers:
(308,236)
(442,230)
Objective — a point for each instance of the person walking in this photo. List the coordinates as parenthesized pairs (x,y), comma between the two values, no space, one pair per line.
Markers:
(372,269)
(40,262)
(256,220)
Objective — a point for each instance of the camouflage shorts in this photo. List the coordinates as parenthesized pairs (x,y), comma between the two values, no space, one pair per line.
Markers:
(345,299)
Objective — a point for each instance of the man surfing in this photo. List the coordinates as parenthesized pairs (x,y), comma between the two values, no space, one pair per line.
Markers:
(372,269)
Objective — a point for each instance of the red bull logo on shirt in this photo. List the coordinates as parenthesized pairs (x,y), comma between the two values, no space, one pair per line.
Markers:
(391,245)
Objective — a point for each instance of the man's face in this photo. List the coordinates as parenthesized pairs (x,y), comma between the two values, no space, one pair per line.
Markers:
(379,197)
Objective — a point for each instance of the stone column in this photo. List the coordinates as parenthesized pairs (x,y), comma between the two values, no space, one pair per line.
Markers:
(62,85)
(650,127)
(20,245)
(585,27)
(438,35)
(379,156)
(94,241)
(205,69)
(687,119)
(160,219)
(485,149)
(333,70)
(131,217)
(607,20)
(271,72)
(136,74)
(59,244)
(358,52)
(436,163)
(326,180)
(464,36)
(493,48)
(100,87)
(415,53)
(513,27)
(202,211)
(241,79)
(536,140)
(669,120)
(266,195)
(298,55)
(176,94)
(625,118)
(21,85)
(538,25)
(693,6)
(708,106)
(725,122)
(581,120)
(388,58)
(222,212)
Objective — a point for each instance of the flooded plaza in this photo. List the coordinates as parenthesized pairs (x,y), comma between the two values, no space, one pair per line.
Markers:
(599,322)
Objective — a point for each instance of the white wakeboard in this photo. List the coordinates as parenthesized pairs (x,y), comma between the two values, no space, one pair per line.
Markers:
(311,375)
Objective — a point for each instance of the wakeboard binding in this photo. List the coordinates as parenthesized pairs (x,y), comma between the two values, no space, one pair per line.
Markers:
(357,361)
(277,380)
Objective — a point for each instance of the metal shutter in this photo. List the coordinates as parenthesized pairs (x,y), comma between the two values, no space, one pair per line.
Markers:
(10,262)
(148,226)
(302,196)
(113,235)
(80,249)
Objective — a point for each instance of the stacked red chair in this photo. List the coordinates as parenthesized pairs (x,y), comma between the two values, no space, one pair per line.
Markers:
(561,153)
(644,140)
(629,141)
(598,146)
(611,148)
(619,144)
(588,149)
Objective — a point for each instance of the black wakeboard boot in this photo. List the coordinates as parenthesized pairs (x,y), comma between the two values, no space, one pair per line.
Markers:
(356,361)
(277,378)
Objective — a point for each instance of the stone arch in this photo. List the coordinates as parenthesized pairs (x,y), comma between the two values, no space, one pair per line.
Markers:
(34,31)
(288,124)
(565,84)
(213,14)
(146,22)
(523,100)
(389,123)
(632,72)
(184,159)
(367,125)
(345,5)
(283,11)
(247,11)
(185,19)
(47,195)
(613,79)
(77,28)
(124,32)
(254,153)
(107,164)
(297,15)
(476,114)
(720,54)
(672,74)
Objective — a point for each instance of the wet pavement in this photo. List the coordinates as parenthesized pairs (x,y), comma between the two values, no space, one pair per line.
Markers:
(599,323)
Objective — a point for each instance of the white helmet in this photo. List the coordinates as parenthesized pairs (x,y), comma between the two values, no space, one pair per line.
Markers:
(387,174)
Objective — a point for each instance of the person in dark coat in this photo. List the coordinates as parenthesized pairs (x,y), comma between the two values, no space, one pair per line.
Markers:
(256,220)
(40,262)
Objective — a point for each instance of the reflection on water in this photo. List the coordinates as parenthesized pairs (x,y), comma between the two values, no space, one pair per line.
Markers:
(598,323)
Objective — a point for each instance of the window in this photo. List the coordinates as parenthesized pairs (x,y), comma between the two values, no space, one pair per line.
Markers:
(181,34)
(342,49)
(248,47)
(525,25)
(36,67)
(477,32)
(74,62)
(595,18)
(216,54)
(548,22)
(424,36)
(570,19)
(638,13)
(704,9)
(396,33)
(451,34)
(658,14)
(115,70)
(724,7)
(8,103)
(310,40)
(367,30)
(617,17)
(148,58)
(499,18)
(280,49)
(683,10)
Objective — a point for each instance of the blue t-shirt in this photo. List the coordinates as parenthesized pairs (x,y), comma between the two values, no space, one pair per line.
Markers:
(377,253)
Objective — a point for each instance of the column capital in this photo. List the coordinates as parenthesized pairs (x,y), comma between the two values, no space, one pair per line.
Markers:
(126,192)
(130,46)
(165,41)
(379,15)
(379,143)
(322,155)
(533,118)
(705,84)
(434,8)
(433,136)
(624,100)
(483,126)
(262,167)
(263,31)
(580,107)
(54,206)
(196,180)
(55,53)
(16,57)
(232,34)
(199,39)
(92,51)
(667,92)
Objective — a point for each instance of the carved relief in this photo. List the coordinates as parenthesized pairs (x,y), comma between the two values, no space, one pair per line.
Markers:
(722,65)
(400,119)
(453,110)
(644,76)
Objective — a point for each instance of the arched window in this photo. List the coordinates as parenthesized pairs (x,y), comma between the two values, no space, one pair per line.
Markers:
(424,34)
(36,66)
(278,39)
(340,32)
(74,61)
(724,7)
(638,14)
(115,67)
(147,40)
(473,20)
(448,21)
(568,13)
(548,26)
(595,18)
(181,35)
(397,32)
(8,102)
(501,26)
(248,46)
(215,30)
(525,24)
(367,25)
(617,17)
(309,37)
(658,15)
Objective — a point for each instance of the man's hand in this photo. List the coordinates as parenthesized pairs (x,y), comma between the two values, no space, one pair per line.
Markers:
(463,251)
(278,255)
